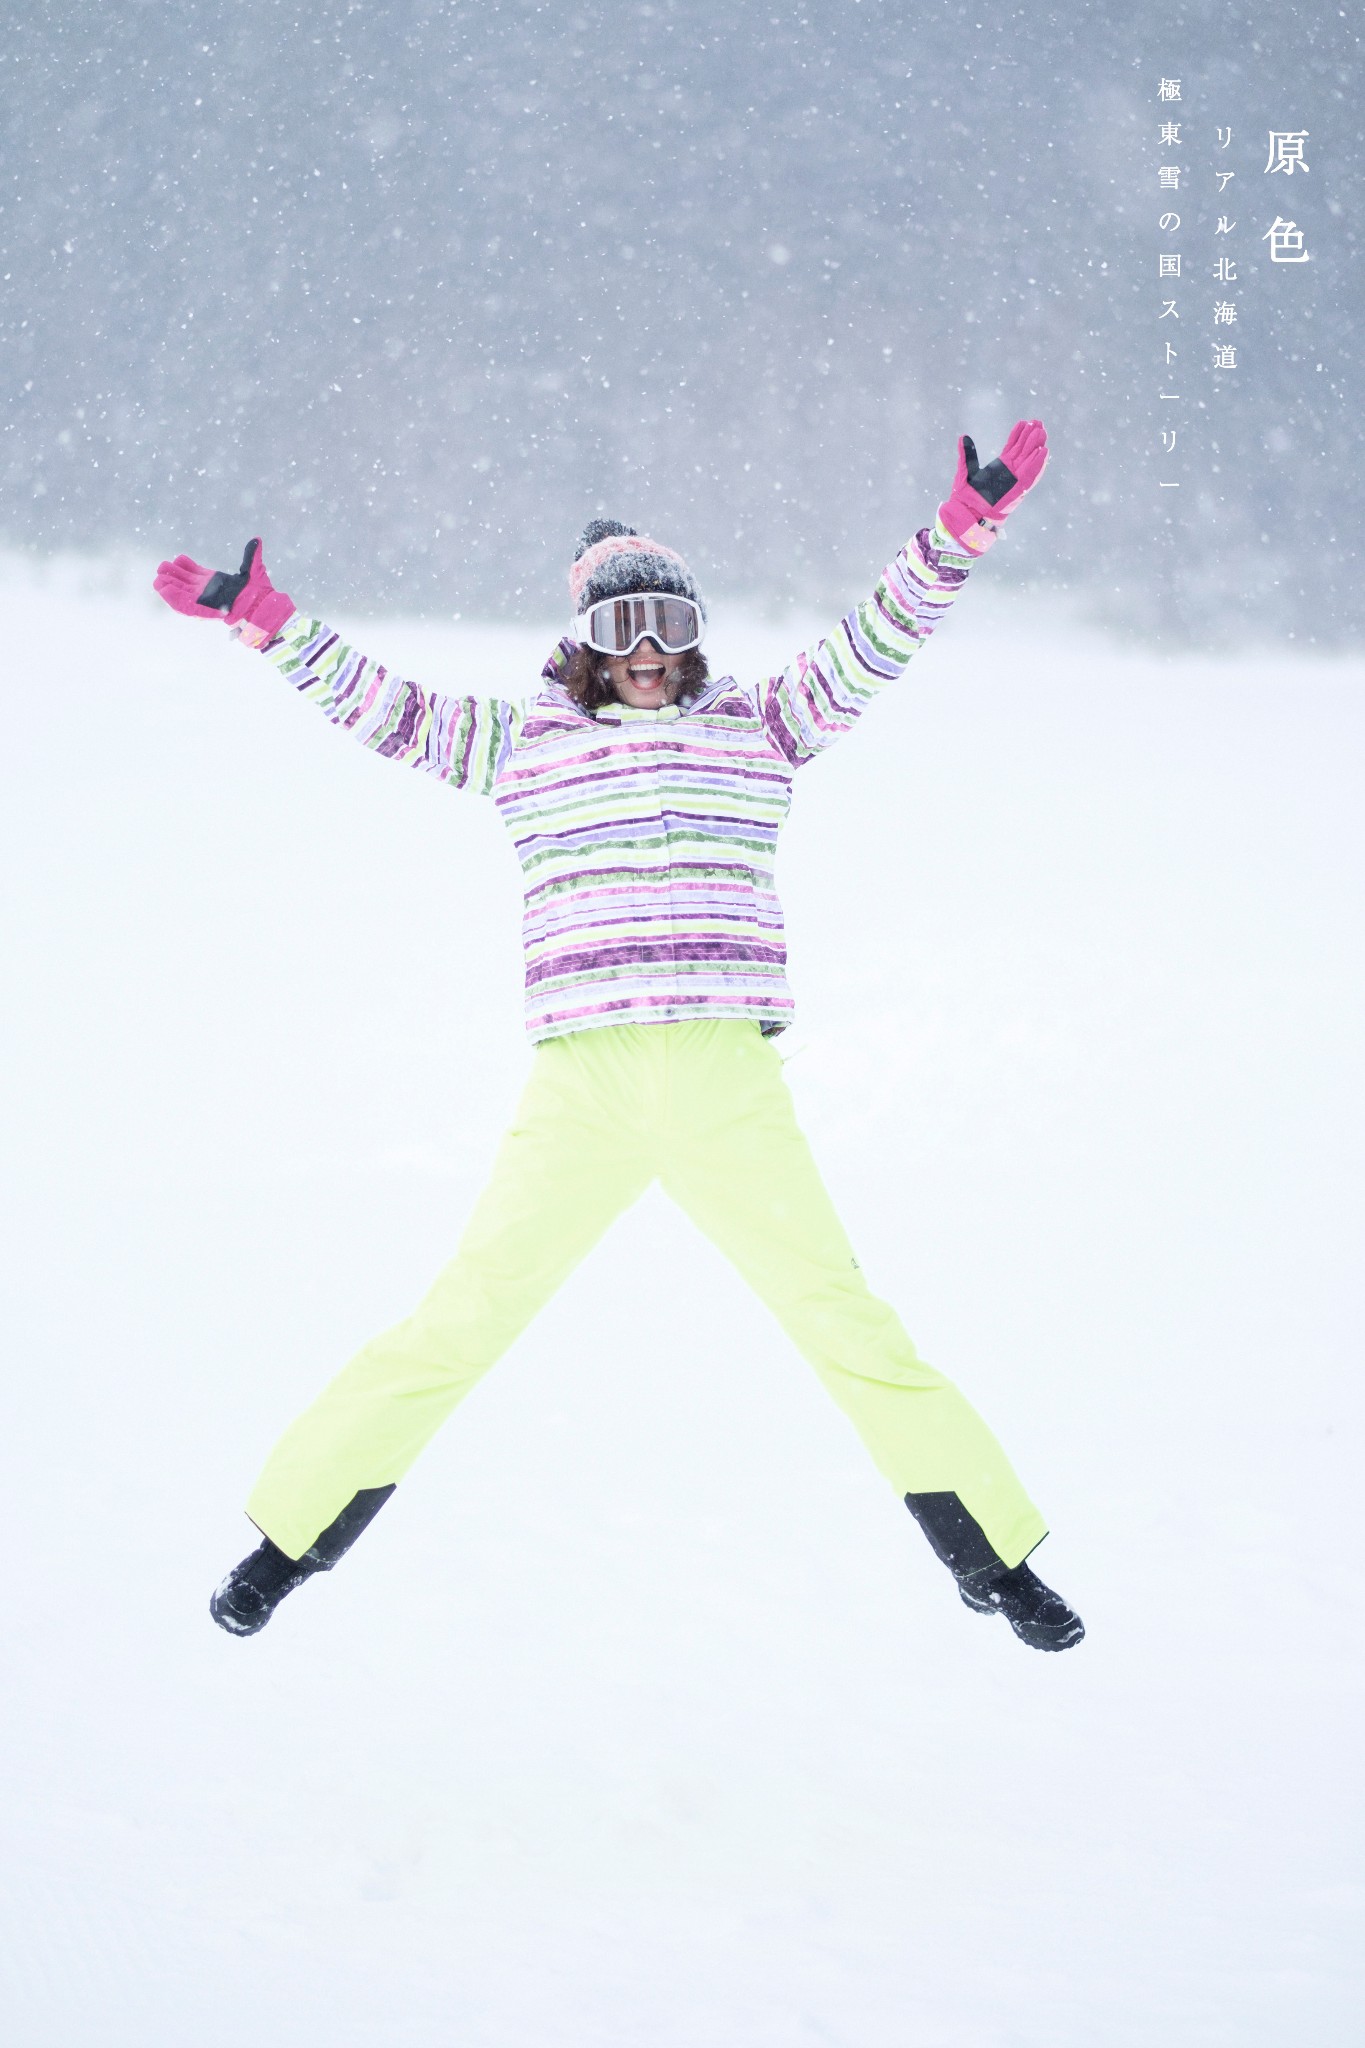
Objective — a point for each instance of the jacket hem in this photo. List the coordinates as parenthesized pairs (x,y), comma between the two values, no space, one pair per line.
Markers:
(769,1020)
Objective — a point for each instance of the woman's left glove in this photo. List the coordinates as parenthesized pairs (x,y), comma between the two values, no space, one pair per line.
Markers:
(247,597)
(991,492)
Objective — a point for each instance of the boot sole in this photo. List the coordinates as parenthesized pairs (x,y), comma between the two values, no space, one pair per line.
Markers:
(233,1625)
(1050,1639)
(1063,1638)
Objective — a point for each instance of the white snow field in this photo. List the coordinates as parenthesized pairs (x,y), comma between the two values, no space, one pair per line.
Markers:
(643,1714)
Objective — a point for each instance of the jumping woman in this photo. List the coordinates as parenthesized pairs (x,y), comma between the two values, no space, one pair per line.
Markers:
(644,799)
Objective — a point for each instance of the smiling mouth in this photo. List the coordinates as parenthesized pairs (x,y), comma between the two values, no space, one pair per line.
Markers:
(646,674)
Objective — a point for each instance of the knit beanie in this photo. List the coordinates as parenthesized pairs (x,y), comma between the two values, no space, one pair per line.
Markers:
(612,560)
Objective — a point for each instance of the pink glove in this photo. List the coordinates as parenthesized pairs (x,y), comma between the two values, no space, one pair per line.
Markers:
(249,598)
(992,493)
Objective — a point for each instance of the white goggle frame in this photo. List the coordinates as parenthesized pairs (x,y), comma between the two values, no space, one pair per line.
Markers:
(617,625)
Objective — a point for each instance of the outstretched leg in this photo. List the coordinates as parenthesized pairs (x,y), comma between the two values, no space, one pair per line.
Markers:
(741,1168)
(568,1166)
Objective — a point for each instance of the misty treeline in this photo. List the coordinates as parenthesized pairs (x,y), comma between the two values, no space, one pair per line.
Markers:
(415,289)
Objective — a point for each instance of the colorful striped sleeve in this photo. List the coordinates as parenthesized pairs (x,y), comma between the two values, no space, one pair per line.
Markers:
(460,740)
(820,694)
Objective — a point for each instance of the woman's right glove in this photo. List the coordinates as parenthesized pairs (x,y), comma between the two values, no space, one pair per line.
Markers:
(991,491)
(247,597)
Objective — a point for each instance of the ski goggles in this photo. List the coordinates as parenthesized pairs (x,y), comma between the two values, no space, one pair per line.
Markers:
(619,624)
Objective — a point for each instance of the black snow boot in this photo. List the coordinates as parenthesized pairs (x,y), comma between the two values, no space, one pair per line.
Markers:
(253,1589)
(1038,1616)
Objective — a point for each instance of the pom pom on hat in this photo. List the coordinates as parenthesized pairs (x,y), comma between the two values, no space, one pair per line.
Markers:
(602,529)
(612,560)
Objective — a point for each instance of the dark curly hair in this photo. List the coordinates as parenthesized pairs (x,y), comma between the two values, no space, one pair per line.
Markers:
(583,678)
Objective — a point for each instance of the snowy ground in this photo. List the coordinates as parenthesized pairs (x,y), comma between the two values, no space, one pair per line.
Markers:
(643,1714)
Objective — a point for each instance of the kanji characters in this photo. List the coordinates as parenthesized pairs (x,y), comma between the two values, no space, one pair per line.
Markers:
(1285,237)
(1286,150)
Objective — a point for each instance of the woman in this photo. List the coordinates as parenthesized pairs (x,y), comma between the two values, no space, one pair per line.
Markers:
(644,801)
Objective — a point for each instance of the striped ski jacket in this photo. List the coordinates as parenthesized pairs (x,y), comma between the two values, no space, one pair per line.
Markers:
(647,839)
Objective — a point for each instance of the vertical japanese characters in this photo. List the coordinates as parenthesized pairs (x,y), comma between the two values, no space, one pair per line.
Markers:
(1203,192)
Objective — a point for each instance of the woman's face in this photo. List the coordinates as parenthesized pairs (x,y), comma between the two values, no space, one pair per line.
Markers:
(645,678)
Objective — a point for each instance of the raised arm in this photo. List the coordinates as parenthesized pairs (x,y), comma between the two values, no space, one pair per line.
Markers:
(462,740)
(826,688)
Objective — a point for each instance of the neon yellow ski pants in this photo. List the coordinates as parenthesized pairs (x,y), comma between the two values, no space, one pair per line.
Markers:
(704,1108)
